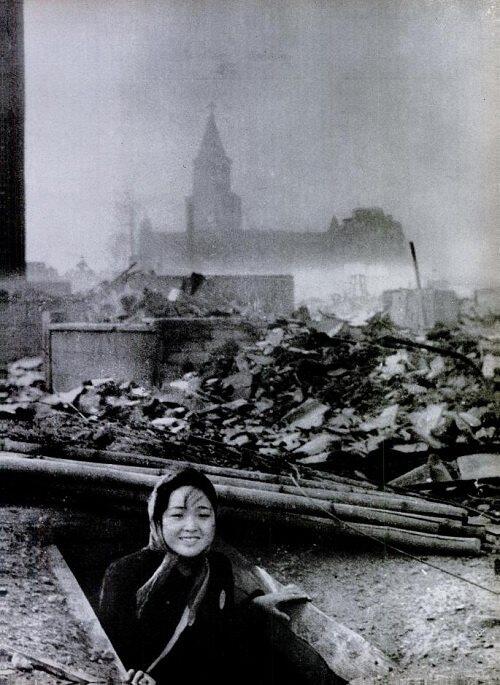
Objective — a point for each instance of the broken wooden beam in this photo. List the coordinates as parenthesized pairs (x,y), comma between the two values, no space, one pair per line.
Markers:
(435,470)
(346,653)
(420,474)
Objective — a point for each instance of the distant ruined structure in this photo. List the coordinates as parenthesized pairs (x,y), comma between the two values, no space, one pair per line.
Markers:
(12,240)
(214,241)
(213,210)
(368,235)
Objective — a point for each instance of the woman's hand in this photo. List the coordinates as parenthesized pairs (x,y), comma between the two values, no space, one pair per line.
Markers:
(139,678)
(271,601)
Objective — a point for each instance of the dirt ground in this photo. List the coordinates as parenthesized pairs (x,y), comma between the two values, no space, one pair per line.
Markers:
(34,616)
(430,623)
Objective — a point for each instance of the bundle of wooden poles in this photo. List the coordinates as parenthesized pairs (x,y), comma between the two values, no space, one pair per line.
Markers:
(321,502)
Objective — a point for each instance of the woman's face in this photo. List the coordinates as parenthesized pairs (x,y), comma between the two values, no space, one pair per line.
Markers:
(188,523)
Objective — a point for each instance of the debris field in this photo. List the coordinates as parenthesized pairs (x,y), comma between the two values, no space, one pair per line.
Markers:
(363,404)
(296,396)
(302,421)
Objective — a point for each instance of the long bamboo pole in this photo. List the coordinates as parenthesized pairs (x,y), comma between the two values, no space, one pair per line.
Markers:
(384,534)
(421,540)
(377,501)
(150,462)
(120,456)
(117,483)
(147,461)
(326,475)
(317,507)
(229,494)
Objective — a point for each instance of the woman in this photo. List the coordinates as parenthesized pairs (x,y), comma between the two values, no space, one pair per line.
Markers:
(167,607)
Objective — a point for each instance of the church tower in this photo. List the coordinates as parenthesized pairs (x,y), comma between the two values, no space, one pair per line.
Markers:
(213,210)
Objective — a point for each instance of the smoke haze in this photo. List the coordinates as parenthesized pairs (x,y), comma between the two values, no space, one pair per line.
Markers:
(322,106)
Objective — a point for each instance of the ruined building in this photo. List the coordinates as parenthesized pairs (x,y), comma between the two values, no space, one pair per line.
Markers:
(215,242)
(213,210)
(12,252)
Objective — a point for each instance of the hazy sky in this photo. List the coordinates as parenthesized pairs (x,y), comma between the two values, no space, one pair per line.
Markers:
(323,106)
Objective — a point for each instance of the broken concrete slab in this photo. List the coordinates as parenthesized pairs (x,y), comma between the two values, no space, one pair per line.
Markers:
(474,466)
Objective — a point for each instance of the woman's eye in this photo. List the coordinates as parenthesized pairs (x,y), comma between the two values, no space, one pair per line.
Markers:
(176,516)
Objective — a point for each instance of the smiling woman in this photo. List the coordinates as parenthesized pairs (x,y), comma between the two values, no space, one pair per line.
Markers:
(166,608)
(188,524)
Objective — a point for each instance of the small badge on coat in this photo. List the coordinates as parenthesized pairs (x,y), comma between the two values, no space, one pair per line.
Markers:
(222,599)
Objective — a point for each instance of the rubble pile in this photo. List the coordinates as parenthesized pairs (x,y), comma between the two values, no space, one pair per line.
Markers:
(298,395)
(109,304)
(360,403)
(135,296)
(343,397)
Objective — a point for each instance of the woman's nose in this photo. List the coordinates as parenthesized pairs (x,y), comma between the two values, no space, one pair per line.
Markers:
(190,523)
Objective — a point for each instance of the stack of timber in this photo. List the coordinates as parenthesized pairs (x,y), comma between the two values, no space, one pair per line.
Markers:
(332,505)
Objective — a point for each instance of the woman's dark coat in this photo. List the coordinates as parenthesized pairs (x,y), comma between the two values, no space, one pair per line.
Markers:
(203,650)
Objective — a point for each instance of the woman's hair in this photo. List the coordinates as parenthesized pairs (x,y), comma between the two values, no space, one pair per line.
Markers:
(166,486)
(157,505)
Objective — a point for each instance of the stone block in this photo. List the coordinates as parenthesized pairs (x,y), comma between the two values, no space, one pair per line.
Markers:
(80,352)
(421,309)
(150,353)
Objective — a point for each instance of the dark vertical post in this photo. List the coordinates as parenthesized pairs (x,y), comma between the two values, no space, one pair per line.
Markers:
(419,284)
(415,264)
(12,239)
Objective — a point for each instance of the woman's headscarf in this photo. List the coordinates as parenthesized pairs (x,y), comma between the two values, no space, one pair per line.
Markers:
(157,505)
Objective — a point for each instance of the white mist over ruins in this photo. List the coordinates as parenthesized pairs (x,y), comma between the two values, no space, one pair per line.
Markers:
(316,120)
